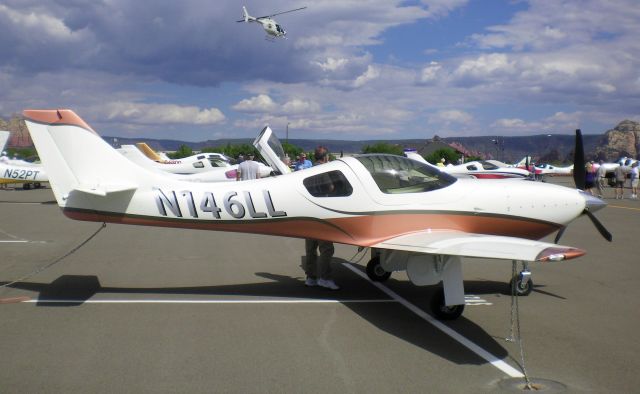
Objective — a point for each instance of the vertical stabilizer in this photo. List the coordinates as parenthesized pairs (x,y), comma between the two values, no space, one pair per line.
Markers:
(4,138)
(150,153)
(76,158)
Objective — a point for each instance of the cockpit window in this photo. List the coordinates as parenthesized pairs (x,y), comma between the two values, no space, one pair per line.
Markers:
(397,174)
(472,167)
(198,164)
(328,184)
(216,162)
(488,166)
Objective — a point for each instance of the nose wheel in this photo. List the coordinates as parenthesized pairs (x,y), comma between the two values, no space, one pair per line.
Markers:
(521,284)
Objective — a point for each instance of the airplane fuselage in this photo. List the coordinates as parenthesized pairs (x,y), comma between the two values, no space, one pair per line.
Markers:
(284,206)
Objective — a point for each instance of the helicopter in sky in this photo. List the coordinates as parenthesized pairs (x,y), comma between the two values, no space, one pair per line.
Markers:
(273,29)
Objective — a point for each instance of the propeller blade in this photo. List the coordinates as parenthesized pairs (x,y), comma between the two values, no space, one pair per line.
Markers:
(559,235)
(603,231)
(579,174)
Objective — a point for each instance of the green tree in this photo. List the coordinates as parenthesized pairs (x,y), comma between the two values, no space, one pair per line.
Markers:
(28,154)
(292,150)
(233,150)
(449,154)
(183,151)
(383,147)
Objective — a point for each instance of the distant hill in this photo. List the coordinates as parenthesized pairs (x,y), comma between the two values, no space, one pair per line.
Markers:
(556,147)
(622,140)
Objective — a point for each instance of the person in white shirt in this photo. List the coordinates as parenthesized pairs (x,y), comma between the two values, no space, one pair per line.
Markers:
(248,169)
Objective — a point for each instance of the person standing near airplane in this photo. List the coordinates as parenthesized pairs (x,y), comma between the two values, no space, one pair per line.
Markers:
(248,169)
(634,180)
(620,178)
(601,175)
(302,162)
(590,178)
(318,267)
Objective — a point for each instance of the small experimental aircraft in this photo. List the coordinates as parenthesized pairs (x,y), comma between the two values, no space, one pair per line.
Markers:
(475,169)
(270,26)
(31,175)
(224,173)
(419,219)
(548,169)
(19,171)
(199,163)
(216,159)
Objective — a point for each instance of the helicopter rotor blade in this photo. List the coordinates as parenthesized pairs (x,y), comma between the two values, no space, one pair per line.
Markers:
(283,12)
(579,174)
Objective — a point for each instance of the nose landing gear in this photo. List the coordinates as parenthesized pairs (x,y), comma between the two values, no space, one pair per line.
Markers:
(522,283)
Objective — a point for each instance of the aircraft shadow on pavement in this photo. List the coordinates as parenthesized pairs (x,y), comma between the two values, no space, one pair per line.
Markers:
(74,290)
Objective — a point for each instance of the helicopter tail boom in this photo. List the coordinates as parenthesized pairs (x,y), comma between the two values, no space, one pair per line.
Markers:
(245,16)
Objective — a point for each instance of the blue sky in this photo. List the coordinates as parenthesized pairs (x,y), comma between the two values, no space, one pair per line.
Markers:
(375,69)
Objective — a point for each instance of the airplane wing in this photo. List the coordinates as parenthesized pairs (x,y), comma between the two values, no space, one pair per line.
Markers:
(479,245)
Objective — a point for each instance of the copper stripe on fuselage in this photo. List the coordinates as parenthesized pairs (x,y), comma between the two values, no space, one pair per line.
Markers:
(362,230)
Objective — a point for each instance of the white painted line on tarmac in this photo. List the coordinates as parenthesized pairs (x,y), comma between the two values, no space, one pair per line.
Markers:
(14,241)
(169,301)
(472,300)
(493,360)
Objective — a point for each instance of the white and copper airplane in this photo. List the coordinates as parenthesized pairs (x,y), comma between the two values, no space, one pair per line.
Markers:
(419,219)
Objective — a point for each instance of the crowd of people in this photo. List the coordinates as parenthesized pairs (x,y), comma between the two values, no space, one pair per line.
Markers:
(596,177)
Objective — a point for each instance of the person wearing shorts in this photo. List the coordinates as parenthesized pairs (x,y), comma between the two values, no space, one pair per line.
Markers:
(620,178)
(634,180)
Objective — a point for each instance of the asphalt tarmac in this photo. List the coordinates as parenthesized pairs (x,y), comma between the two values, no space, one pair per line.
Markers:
(140,309)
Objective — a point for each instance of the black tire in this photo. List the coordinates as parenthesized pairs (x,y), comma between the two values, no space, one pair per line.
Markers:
(26,186)
(522,290)
(443,312)
(37,185)
(375,272)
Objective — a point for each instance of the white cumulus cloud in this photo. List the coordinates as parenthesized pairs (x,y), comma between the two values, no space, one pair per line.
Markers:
(152,114)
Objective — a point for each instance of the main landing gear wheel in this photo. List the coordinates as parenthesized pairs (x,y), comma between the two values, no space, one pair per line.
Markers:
(26,186)
(523,284)
(375,272)
(443,312)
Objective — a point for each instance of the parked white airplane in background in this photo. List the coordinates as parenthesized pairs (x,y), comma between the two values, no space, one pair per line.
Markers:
(31,175)
(19,171)
(548,169)
(215,174)
(218,168)
(475,169)
(216,159)
(422,220)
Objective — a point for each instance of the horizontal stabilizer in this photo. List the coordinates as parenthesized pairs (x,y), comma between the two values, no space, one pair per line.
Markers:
(457,243)
(103,190)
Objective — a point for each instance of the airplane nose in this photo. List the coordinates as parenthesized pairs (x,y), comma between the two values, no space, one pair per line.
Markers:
(592,203)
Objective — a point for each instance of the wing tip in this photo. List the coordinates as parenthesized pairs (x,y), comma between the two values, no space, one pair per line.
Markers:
(559,253)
